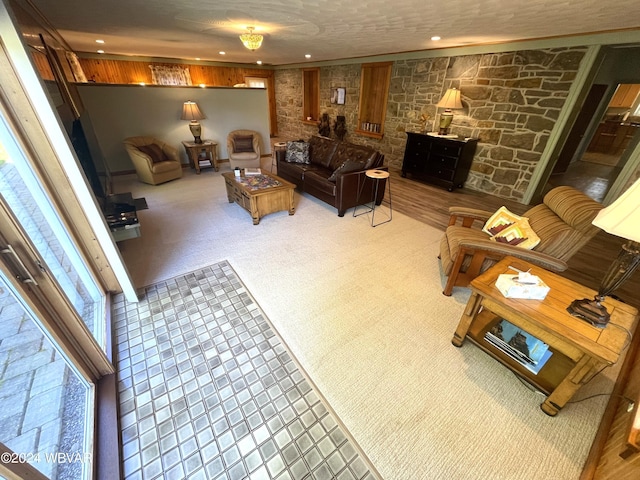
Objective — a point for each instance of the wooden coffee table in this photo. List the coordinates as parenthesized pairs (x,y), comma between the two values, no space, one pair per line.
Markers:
(579,350)
(261,194)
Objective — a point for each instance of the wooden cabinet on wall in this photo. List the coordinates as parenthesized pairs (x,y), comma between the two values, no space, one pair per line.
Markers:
(439,160)
(625,96)
(374,91)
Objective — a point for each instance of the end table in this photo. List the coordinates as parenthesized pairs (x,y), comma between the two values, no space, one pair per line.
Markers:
(579,350)
(202,155)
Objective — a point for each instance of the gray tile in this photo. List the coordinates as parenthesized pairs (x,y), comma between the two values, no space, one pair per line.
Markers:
(208,390)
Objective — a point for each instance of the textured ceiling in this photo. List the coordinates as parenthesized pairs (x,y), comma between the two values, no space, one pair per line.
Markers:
(325,29)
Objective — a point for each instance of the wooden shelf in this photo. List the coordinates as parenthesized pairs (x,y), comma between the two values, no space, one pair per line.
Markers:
(550,375)
(366,133)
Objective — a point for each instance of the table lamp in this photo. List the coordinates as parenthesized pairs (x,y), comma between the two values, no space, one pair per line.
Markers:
(621,218)
(451,99)
(190,111)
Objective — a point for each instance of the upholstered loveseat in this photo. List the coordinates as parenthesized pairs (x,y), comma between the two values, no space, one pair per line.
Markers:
(332,171)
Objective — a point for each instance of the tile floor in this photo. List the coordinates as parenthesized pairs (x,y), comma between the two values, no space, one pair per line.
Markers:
(208,390)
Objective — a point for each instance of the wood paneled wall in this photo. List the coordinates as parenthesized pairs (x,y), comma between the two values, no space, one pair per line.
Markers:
(135,71)
(127,72)
(42,65)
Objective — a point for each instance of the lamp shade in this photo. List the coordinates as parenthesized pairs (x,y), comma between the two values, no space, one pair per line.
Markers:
(451,99)
(622,217)
(190,111)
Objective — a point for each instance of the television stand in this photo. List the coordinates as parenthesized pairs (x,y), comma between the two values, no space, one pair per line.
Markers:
(121,213)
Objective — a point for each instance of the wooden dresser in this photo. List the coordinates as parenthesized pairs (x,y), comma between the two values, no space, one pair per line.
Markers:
(440,160)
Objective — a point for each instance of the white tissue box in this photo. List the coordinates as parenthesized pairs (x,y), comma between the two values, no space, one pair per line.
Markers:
(510,287)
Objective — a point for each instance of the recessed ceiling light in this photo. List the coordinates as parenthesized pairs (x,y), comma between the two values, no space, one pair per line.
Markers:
(197,58)
(307,55)
(100,51)
(99,41)
(222,53)
(435,38)
(259,62)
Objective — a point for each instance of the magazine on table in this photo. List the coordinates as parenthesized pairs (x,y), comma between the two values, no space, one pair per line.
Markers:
(521,346)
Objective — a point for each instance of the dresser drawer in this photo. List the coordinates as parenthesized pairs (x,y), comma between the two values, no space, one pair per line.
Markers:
(442,161)
(449,149)
(440,172)
(418,147)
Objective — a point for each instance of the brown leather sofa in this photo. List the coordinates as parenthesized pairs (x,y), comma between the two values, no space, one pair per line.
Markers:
(335,172)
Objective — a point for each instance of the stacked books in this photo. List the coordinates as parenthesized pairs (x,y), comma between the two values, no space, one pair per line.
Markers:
(529,351)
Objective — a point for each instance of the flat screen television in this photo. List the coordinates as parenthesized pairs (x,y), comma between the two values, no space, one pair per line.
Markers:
(90,155)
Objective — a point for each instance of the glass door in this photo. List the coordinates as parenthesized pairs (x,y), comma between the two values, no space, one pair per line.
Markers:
(46,413)
(53,335)
(23,195)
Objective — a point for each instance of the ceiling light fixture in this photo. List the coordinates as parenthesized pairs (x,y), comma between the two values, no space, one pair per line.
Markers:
(100,51)
(307,55)
(251,40)
(435,38)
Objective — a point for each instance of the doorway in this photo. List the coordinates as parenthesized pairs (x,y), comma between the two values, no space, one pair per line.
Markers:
(266,82)
(593,167)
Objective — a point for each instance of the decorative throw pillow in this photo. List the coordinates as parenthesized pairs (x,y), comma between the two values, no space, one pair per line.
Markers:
(500,220)
(154,151)
(346,167)
(297,152)
(520,234)
(243,143)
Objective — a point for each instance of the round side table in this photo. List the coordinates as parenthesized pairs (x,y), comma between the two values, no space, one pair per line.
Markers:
(376,175)
(278,146)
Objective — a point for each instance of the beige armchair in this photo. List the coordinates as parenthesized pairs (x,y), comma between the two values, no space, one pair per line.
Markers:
(155,161)
(243,147)
(562,221)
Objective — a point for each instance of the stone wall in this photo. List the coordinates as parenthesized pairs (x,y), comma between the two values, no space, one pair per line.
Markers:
(511,102)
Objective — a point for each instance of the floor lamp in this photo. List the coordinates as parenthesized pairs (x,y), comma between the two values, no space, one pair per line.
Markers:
(621,218)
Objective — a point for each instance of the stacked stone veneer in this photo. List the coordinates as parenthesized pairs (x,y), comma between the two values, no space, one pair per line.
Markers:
(511,103)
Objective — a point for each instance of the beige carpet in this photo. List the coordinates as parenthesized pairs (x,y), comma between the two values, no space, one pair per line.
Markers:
(361,308)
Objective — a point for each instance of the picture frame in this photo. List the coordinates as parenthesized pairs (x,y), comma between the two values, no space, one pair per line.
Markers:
(338,95)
